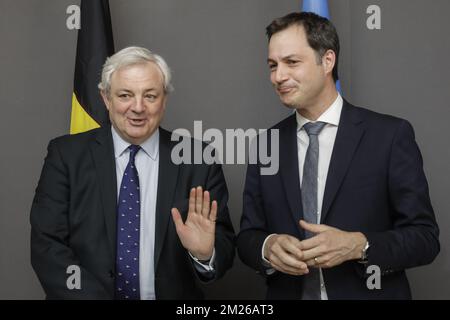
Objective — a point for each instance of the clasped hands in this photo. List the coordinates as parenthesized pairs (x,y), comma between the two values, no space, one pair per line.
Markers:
(328,247)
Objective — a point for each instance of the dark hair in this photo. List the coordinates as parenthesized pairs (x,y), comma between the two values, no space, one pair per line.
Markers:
(320,33)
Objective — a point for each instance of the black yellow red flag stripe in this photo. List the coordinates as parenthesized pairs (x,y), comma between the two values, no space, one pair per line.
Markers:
(95,43)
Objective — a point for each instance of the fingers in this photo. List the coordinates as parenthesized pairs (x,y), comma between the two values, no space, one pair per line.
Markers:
(213,215)
(200,203)
(286,260)
(325,261)
(312,242)
(205,205)
(293,247)
(314,228)
(322,237)
(313,253)
(283,243)
(317,253)
(315,262)
(314,247)
(176,216)
(199,200)
(327,248)
(280,266)
(192,200)
(285,254)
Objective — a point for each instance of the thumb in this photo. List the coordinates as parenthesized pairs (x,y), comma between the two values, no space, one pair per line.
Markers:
(312,227)
(176,216)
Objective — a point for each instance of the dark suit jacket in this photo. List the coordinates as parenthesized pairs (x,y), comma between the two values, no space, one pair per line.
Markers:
(73,219)
(375,185)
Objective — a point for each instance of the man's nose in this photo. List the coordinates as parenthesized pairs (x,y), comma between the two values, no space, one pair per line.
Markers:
(281,74)
(139,105)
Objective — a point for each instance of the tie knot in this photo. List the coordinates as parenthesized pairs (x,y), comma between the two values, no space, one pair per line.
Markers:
(314,128)
(133,151)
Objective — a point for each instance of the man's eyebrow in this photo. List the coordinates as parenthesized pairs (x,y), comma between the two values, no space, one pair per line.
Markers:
(146,90)
(291,56)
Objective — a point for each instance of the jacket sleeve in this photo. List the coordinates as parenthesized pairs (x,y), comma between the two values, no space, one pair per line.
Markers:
(414,238)
(51,254)
(225,237)
(253,229)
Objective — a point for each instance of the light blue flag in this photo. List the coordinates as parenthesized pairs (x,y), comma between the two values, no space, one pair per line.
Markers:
(319,7)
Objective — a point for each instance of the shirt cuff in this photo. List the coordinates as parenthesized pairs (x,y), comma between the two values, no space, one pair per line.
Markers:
(203,267)
(266,263)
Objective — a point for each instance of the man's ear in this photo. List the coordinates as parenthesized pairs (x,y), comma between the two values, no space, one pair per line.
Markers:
(328,61)
(105,99)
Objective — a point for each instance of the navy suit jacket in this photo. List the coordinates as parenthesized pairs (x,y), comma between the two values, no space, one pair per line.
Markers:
(73,219)
(375,185)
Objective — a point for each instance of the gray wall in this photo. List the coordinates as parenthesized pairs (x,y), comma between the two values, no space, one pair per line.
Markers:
(217,50)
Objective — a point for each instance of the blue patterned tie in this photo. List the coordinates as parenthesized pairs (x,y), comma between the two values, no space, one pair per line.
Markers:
(128,227)
(311,281)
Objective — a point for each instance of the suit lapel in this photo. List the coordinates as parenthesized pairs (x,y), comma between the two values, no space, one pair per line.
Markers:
(289,168)
(103,153)
(350,132)
(167,178)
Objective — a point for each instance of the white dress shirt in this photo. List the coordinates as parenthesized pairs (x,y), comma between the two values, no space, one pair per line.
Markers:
(326,139)
(147,165)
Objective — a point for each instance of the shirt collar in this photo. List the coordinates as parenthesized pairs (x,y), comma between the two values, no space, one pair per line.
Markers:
(331,116)
(150,146)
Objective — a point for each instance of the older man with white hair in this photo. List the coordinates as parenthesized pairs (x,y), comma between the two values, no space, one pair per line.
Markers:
(106,198)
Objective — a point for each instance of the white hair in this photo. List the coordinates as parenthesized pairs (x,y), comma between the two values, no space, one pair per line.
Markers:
(132,56)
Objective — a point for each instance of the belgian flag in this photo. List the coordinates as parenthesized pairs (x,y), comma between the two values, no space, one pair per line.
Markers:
(95,43)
